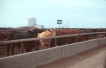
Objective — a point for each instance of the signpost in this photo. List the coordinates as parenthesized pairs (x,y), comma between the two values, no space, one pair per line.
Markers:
(59,22)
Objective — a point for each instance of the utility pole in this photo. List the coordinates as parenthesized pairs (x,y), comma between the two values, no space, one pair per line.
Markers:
(59,22)
(5,23)
(59,25)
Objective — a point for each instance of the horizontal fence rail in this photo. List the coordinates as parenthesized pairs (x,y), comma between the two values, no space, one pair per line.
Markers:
(60,36)
(42,57)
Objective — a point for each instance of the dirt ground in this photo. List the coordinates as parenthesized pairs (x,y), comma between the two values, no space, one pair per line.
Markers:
(94,58)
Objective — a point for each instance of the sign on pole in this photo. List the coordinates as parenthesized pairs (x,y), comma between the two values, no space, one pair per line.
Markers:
(59,21)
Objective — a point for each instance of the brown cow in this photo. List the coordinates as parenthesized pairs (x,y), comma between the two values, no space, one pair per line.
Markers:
(14,35)
(2,36)
(67,40)
(46,42)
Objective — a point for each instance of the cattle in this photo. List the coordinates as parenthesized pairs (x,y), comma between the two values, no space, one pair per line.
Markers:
(59,41)
(93,36)
(105,33)
(67,40)
(45,43)
(78,38)
(62,40)
(14,35)
(35,33)
(2,36)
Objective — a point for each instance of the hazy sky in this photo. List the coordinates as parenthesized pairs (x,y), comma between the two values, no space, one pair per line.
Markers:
(78,13)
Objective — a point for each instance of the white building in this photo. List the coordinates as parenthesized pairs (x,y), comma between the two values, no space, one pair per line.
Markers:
(39,26)
(31,22)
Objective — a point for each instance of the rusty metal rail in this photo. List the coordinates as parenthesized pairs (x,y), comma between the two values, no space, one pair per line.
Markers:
(33,39)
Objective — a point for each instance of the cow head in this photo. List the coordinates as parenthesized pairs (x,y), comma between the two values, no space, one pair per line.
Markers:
(3,36)
(53,31)
(35,31)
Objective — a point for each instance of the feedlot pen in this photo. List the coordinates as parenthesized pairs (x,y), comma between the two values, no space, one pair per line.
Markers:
(41,57)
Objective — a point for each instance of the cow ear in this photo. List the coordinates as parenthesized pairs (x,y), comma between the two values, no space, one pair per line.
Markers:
(29,31)
(49,30)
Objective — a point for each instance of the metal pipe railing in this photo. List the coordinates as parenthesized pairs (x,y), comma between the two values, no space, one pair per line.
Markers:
(33,39)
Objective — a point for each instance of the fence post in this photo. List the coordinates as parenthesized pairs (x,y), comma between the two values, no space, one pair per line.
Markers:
(76,39)
(55,41)
(22,47)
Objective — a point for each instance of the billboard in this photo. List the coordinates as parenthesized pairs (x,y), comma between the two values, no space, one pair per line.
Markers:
(59,21)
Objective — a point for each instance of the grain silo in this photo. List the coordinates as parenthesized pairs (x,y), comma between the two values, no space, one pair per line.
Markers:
(31,22)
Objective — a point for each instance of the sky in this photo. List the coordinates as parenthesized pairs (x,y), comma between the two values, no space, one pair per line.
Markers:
(78,13)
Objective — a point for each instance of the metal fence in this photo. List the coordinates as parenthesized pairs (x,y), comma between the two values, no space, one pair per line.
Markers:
(4,46)
(60,36)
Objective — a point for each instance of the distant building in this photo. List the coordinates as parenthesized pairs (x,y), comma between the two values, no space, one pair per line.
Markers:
(32,22)
(39,26)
